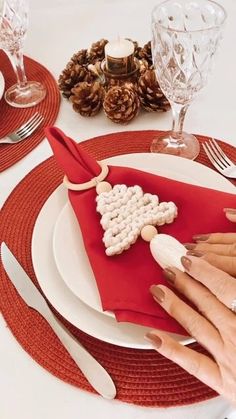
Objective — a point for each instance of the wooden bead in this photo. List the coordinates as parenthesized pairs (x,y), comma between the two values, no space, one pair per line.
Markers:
(103,187)
(148,232)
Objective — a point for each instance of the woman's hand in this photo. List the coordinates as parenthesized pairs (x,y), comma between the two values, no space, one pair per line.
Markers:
(219,249)
(213,325)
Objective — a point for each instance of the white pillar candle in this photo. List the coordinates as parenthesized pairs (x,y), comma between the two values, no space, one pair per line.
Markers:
(119,48)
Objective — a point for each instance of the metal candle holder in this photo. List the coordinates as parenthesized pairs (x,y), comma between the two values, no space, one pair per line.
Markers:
(125,68)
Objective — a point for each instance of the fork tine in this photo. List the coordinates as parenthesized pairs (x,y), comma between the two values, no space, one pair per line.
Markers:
(22,131)
(214,155)
(210,157)
(217,154)
(26,123)
(221,152)
(33,128)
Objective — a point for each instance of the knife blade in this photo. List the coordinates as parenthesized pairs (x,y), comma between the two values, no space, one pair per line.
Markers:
(96,375)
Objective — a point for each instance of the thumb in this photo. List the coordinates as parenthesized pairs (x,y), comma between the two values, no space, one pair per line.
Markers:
(230,213)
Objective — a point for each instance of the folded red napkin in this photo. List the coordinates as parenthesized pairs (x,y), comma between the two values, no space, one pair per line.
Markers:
(124,280)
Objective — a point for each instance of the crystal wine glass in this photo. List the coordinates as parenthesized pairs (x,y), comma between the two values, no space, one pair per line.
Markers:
(13,27)
(185,37)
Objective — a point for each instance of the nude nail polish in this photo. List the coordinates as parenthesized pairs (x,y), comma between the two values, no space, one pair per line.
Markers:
(195,253)
(153,338)
(186,263)
(190,246)
(201,237)
(158,293)
(170,275)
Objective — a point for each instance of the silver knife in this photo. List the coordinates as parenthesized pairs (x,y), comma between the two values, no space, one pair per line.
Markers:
(96,375)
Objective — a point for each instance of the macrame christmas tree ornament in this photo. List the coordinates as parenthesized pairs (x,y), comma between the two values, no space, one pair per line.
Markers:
(126,212)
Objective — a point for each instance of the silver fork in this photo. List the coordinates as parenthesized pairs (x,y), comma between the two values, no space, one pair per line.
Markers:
(219,159)
(24,130)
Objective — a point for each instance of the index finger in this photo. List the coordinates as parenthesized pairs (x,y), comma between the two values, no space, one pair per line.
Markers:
(216,238)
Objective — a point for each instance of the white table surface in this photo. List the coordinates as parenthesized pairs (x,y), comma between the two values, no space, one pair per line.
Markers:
(58,28)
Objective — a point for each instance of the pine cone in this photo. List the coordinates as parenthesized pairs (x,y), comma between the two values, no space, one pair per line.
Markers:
(131,82)
(150,93)
(71,75)
(80,57)
(97,52)
(146,53)
(143,66)
(87,98)
(121,104)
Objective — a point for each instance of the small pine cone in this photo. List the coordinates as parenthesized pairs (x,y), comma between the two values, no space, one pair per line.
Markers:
(146,53)
(80,57)
(150,94)
(87,98)
(97,52)
(121,104)
(71,75)
(143,66)
(137,52)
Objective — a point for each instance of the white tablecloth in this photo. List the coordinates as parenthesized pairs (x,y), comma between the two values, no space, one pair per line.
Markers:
(58,28)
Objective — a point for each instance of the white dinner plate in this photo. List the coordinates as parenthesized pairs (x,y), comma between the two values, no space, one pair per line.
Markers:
(62,298)
(2,85)
(72,260)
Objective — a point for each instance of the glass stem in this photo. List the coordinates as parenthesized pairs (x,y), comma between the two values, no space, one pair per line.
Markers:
(17,62)
(179,112)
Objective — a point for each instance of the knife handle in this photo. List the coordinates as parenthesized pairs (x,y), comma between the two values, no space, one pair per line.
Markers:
(96,375)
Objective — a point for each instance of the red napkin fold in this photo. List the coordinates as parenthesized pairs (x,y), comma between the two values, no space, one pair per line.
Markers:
(124,280)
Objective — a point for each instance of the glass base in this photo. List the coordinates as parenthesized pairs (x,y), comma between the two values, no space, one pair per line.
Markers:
(185,146)
(30,95)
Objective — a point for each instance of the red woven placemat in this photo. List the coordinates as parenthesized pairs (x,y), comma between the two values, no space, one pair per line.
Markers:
(142,377)
(11,118)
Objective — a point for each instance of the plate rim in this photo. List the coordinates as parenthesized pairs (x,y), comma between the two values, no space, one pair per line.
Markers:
(184,161)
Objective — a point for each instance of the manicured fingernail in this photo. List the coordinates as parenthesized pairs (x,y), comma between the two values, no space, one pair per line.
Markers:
(153,338)
(195,253)
(201,237)
(186,262)
(190,246)
(170,275)
(230,210)
(157,293)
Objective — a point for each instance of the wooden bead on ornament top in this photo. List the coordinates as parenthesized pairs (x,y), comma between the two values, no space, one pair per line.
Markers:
(148,232)
(103,187)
